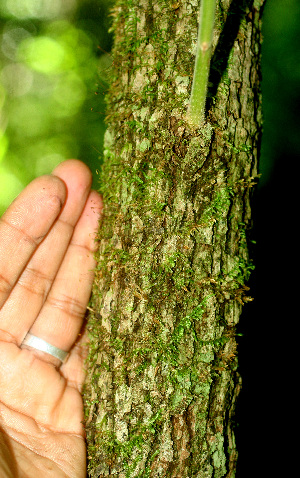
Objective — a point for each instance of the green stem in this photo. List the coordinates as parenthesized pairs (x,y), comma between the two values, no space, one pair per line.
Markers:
(204,46)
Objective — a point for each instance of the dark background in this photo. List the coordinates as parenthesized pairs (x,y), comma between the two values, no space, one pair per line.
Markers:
(267,350)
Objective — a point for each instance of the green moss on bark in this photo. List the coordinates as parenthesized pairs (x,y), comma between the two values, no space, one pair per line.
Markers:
(173,258)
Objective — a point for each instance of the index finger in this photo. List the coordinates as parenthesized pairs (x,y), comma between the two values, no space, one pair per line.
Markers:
(24,225)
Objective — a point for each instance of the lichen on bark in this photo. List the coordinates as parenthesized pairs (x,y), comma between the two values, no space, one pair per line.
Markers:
(173,260)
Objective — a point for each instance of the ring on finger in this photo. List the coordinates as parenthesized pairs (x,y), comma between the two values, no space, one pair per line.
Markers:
(39,344)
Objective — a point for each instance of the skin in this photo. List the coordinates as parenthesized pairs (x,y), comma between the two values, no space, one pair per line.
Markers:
(47,244)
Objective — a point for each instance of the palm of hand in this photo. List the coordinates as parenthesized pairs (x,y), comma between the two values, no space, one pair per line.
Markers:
(46,263)
(41,414)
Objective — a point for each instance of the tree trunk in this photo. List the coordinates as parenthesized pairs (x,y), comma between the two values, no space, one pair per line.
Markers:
(173,260)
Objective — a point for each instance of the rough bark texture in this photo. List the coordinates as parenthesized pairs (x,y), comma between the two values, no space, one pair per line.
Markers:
(173,260)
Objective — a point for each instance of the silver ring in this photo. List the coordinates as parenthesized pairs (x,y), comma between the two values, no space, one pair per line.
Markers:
(40,344)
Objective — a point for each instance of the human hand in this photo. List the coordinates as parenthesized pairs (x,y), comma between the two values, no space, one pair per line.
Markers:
(46,273)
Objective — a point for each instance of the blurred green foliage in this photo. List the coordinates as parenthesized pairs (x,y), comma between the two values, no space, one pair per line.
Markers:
(280,87)
(53,62)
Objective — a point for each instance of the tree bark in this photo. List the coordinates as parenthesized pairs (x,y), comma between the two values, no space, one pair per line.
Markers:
(173,259)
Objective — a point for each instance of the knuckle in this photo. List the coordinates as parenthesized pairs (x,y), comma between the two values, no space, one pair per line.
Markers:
(69,305)
(5,285)
(35,282)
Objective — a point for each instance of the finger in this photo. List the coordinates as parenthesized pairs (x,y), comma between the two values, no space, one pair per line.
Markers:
(29,294)
(74,370)
(61,317)
(78,179)
(24,225)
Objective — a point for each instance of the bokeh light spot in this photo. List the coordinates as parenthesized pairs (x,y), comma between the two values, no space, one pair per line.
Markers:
(42,9)
(17,79)
(69,94)
(11,38)
(42,54)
